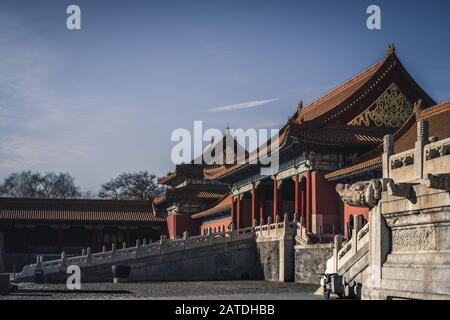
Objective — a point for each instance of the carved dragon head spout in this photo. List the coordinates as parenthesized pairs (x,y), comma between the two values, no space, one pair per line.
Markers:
(361,194)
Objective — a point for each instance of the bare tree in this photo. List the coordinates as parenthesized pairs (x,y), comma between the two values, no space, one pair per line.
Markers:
(27,184)
(131,185)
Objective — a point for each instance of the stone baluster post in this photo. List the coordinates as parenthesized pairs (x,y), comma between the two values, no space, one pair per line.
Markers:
(261,223)
(124,245)
(232,232)
(337,247)
(113,251)
(88,255)
(63,260)
(163,240)
(379,246)
(286,224)
(388,150)
(422,140)
(138,247)
(357,225)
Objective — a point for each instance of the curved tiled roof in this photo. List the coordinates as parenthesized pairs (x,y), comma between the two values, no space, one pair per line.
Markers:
(354,169)
(222,205)
(339,94)
(78,210)
(310,122)
(186,193)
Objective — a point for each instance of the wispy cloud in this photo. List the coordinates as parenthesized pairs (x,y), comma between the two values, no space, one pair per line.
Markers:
(243,105)
(42,127)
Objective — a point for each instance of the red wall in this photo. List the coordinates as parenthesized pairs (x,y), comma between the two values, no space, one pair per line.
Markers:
(216,224)
(350,210)
(178,223)
(326,202)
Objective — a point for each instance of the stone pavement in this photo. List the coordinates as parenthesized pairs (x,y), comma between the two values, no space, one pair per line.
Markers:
(233,290)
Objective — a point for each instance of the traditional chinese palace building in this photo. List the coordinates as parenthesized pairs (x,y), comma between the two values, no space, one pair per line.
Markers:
(336,138)
(189,191)
(30,227)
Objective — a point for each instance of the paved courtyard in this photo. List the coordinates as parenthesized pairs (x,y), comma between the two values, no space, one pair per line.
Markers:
(234,290)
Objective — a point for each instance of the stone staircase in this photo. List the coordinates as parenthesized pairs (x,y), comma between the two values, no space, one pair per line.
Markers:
(228,255)
(97,266)
(351,259)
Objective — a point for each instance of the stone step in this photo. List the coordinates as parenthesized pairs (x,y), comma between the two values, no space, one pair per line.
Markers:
(422,273)
(428,287)
(419,258)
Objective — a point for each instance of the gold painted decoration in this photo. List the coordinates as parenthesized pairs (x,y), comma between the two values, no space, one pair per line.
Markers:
(391,109)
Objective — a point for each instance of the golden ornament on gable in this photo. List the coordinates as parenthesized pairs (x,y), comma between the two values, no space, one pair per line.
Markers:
(391,109)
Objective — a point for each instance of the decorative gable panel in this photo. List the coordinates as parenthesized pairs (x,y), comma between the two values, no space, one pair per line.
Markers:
(391,109)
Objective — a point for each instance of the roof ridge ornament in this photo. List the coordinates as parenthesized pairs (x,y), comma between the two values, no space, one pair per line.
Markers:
(390,49)
(299,111)
(417,107)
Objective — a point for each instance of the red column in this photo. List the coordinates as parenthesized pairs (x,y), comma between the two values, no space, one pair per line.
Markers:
(275,198)
(232,209)
(238,209)
(296,196)
(308,201)
(253,202)
(280,200)
(303,200)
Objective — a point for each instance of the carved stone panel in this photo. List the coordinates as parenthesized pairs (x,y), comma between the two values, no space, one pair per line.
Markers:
(413,239)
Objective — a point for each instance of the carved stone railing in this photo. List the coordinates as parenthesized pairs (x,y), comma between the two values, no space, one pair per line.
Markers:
(302,233)
(163,246)
(276,229)
(437,149)
(342,254)
(429,156)
(436,158)
(401,166)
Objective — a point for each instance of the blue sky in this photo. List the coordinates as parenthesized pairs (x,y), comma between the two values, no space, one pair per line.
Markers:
(105,99)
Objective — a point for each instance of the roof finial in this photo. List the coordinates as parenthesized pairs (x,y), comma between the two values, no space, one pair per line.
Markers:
(300,104)
(391,49)
(417,107)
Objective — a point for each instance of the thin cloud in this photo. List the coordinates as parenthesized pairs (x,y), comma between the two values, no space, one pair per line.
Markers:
(243,105)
